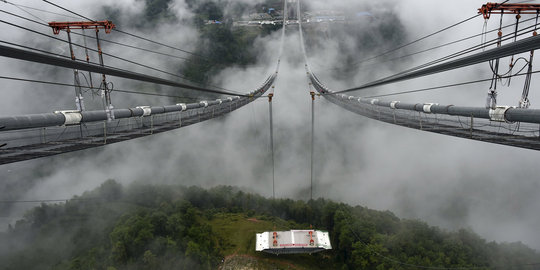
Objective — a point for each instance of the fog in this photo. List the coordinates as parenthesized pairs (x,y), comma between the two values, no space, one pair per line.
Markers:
(449,182)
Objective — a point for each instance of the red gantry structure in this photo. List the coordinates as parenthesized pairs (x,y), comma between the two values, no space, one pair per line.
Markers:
(58,26)
(94,25)
(518,9)
(497,8)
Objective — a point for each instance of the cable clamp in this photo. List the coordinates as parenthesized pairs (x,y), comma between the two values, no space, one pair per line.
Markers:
(110,112)
(491,100)
(524,103)
(72,117)
(146,110)
(182,105)
(203,103)
(427,107)
(498,114)
(393,104)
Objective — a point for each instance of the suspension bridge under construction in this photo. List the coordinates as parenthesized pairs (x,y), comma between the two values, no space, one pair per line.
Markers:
(31,136)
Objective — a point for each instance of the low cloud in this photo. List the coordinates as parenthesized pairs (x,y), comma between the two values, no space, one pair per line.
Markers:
(446,181)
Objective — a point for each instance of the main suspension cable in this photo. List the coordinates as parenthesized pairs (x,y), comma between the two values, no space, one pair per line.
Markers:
(62,62)
(526,44)
(107,54)
(94,88)
(81,46)
(434,48)
(465,51)
(444,86)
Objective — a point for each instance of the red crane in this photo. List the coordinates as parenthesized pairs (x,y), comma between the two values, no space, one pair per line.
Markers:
(95,25)
(517,9)
(496,8)
(58,26)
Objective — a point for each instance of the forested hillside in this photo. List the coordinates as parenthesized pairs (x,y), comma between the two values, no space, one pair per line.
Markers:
(223,45)
(219,45)
(165,227)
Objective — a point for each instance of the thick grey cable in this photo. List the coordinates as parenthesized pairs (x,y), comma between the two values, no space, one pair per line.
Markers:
(95,88)
(312,143)
(462,53)
(510,115)
(35,57)
(272,149)
(524,45)
(445,86)
(434,48)
(107,54)
(28,121)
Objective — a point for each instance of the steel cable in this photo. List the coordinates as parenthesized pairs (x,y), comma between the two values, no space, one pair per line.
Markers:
(107,54)
(66,63)
(527,44)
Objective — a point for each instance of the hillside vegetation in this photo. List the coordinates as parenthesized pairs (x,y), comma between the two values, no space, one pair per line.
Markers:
(175,227)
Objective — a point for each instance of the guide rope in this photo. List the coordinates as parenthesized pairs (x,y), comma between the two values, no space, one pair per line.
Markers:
(270,96)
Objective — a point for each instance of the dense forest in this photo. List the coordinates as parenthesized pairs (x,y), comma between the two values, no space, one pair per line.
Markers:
(174,227)
(218,46)
(223,45)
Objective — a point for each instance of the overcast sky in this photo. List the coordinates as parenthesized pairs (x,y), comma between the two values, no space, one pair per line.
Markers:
(445,181)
